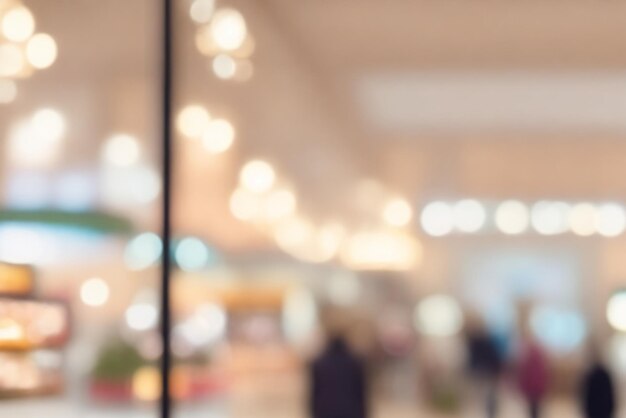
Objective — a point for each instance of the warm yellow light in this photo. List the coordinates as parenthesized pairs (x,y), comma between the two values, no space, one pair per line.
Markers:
(512,217)
(610,220)
(94,292)
(18,24)
(229,29)
(12,61)
(192,121)
(8,91)
(381,250)
(293,234)
(201,11)
(616,311)
(147,384)
(244,205)
(280,204)
(397,212)
(41,51)
(582,219)
(257,176)
(49,123)
(122,150)
(437,219)
(224,66)
(218,136)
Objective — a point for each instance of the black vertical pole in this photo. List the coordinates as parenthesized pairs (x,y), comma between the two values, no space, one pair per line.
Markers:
(166,404)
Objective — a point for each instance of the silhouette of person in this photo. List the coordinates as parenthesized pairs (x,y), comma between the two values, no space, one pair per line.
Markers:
(597,391)
(533,376)
(484,362)
(338,383)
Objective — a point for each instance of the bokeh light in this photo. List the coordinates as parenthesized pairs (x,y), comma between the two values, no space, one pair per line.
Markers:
(228,29)
(121,150)
(245,205)
(560,330)
(218,136)
(201,11)
(192,121)
(41,51)
(437,219)
(610,220)
(12,60)
(224,66)
(279,204)
(397,212)
(582,219)
(550,218)
(512,217)
(143,251)
(94,292)
(257,176)
(438,316)
(192,254)
(141,316)
(469,216)
(18,24)
(616,311)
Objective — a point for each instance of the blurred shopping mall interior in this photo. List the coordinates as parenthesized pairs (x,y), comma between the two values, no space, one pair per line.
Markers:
(405,168)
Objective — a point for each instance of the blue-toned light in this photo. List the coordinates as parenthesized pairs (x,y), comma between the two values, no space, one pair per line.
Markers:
(192,254)
(560,330)
(143,251)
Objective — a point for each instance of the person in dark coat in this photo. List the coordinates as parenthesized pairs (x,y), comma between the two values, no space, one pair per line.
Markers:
(598,396)
(338,383)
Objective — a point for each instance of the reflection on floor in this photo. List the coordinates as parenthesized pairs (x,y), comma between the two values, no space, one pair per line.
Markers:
(58,408)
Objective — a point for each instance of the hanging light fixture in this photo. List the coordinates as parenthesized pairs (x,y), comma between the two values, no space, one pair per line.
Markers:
(23,50)
(224,38)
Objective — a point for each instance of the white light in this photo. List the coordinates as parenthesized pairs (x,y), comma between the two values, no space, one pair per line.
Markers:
(330,237)
(224,66)
(11,60)
(582,219)
(228,29)
(143,251)
(439,316)
(141,316)
(550,218)
(41,51)
(244,205)
(397,212)
(299,316)
(512,217)
(192,121)
(279,204)
(206,326)
(201,11)
(8,91)
(48,123)
(616,311)
(469,216)
(218,136)
(191,254)
(437,219)
(610,220)
(94,292)
(18,24)
(257,176)
(121,150)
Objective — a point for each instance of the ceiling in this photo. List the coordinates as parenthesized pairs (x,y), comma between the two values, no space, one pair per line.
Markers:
(433,98)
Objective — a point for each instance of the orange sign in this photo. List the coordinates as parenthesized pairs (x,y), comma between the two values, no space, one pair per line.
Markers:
(16,280)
